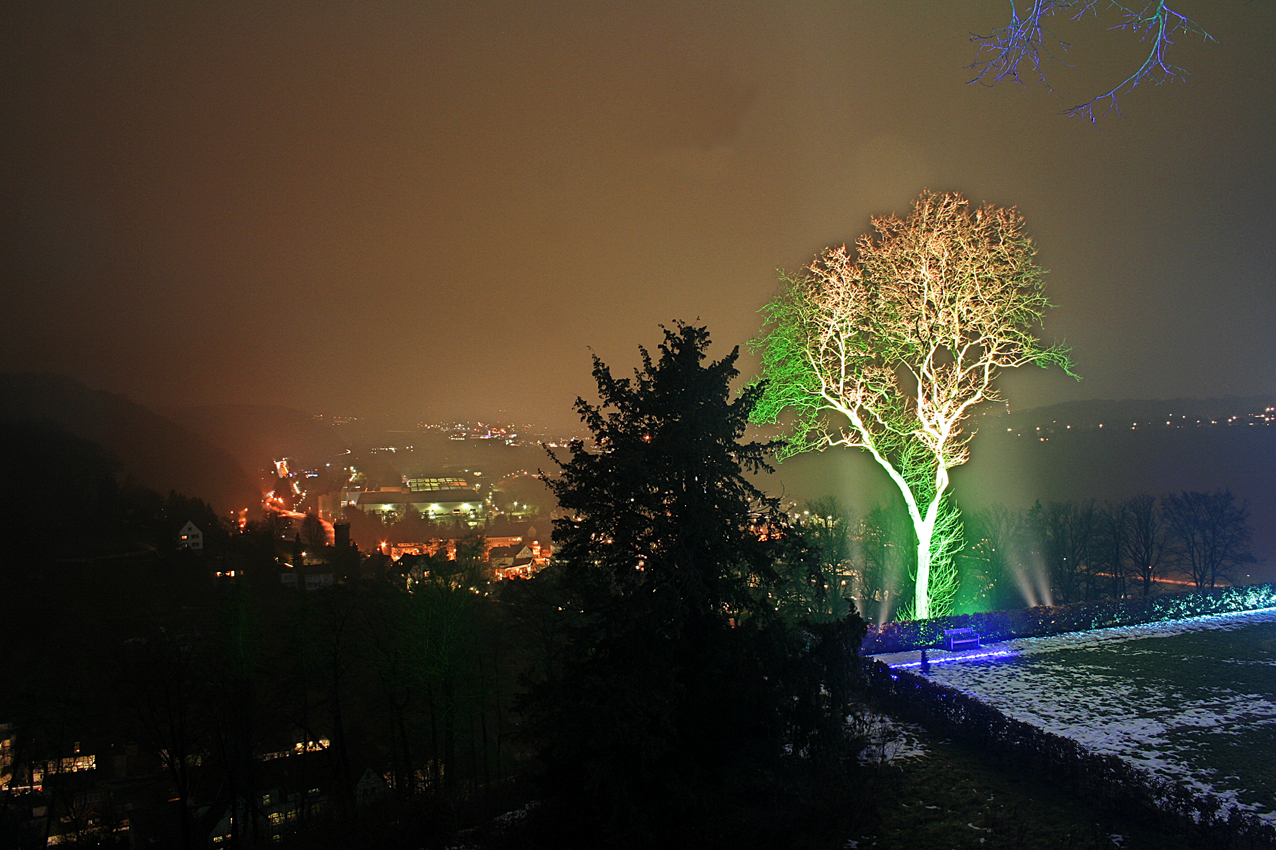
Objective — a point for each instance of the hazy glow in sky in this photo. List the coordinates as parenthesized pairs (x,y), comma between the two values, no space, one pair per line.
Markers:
(442,208)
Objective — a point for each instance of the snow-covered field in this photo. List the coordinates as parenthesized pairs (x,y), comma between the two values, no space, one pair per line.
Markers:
(1191,700)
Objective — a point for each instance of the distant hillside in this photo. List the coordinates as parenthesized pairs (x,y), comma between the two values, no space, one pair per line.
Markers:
(155,451)
(1109,413)
(1116,449)
(256,435)
(1014,464)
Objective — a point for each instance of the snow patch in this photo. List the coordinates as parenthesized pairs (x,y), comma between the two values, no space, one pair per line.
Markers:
(1164,726)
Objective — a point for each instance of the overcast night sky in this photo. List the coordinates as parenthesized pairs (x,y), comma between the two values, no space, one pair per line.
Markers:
(440,209)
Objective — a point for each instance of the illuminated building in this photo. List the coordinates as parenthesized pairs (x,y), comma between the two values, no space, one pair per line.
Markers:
(190,537)
(465,505)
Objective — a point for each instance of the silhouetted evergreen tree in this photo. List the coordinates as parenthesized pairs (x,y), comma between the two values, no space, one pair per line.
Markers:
(822,580)
(672,688)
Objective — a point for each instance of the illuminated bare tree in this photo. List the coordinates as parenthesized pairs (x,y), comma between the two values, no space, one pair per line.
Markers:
(1027,39)
(899,344)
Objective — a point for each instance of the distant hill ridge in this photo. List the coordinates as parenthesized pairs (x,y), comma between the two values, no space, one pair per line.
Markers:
(204,450)
(256,435)
(153,450)
(1014,465)
(1092,412)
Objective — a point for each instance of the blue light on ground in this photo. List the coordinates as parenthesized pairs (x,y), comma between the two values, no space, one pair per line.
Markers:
(946,659)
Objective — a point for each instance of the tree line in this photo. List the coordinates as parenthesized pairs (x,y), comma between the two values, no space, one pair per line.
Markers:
(1059,552)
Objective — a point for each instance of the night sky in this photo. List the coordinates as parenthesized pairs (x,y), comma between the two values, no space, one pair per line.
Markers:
(440,209)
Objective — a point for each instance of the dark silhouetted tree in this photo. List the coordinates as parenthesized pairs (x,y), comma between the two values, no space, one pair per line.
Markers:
(1211,534)
(445,608)
(820,587)
(1113,544)
(1146,540)
(165,680)
(675,672)
(1067,534)
(313,534)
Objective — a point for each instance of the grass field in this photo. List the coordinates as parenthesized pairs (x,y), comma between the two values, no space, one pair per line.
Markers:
(948,796)
(1191,700)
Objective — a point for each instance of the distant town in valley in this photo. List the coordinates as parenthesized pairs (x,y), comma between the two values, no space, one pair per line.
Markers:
(400,482)
(448,479)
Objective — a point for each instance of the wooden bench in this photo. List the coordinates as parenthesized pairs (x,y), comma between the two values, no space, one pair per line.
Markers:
(957,639)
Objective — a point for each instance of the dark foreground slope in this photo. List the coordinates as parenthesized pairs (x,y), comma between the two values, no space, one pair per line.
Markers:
(154,451)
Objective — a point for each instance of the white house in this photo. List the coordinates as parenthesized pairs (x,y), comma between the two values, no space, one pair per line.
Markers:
(190,537)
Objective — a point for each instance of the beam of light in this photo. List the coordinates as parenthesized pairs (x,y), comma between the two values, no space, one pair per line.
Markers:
(1033,578)
(887,607)
(948,659)
(1019,573)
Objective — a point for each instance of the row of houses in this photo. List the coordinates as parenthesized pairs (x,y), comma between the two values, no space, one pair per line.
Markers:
(512,552)
(127,797)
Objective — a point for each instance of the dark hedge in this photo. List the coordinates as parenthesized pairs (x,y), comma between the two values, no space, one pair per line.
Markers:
(1104,779)
(1035,622)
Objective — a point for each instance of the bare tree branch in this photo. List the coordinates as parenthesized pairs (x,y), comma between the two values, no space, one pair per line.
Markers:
(1026,41)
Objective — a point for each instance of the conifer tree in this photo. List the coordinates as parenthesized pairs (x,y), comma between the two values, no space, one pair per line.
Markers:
(676,668)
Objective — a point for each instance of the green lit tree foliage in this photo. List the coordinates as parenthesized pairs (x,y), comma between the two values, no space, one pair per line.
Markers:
(889,349)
